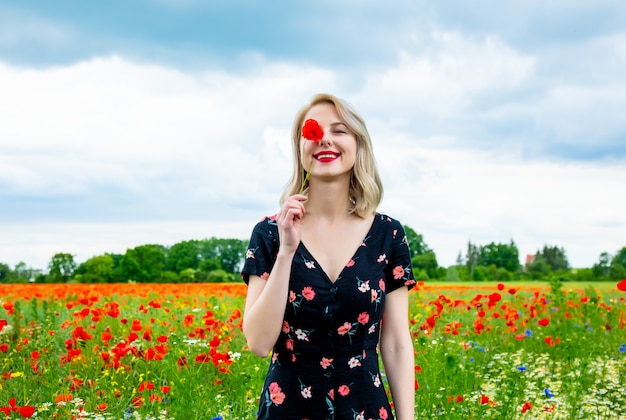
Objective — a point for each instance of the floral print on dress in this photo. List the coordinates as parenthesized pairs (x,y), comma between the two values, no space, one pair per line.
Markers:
(325,363)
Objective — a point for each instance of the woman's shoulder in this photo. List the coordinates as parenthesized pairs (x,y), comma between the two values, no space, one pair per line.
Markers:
(266,226)
(389,222)
(267,220)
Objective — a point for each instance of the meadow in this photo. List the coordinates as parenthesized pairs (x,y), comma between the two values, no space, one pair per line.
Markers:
(176,351)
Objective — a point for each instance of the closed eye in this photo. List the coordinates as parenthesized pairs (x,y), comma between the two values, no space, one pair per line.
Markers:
(339,128)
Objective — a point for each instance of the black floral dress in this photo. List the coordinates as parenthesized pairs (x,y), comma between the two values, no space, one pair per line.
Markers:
(325,364)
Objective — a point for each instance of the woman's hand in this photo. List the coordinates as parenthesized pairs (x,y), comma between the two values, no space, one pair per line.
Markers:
(289,220)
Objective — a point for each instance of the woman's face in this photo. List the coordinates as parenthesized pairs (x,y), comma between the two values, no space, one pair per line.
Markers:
(335,154)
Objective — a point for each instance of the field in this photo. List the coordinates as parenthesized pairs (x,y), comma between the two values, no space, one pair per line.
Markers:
(139,351)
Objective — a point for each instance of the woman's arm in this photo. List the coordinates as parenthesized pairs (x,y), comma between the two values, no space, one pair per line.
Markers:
(267,299)
(396,348)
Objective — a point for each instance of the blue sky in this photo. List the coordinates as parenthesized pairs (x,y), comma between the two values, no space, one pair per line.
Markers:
(159,121)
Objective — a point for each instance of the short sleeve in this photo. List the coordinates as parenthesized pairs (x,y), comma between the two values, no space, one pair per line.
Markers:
(399,271)
(262,250)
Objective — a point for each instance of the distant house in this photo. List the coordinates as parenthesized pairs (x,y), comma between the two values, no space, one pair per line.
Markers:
(530,258)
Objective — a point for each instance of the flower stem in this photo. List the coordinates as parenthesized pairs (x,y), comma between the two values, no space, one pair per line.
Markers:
(306,178)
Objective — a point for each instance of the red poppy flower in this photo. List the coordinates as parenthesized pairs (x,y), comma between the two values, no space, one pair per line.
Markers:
(26,411)
(526,406)
(63,398)
(311,130)
(543,322)
(622,285)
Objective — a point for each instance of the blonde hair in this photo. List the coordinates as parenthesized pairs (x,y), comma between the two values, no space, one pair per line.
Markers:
(366,188)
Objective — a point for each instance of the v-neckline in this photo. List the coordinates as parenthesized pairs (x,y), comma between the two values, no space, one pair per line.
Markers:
(354,254)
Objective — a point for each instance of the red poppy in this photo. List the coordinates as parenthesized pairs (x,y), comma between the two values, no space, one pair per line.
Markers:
(63,398)
(26,411)
(145,385)
(311,130)
(526,406)
(622,285)
(495,297)
(543,322)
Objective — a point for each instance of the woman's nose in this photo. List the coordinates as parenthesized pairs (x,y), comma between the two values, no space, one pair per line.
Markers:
(325,141)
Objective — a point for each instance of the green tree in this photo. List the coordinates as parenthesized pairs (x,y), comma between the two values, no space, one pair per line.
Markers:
(472,257)
(603,266)
(427,262)
(188,275)
(24,274)
(423,259)
(230,252)
(555,257)
(539,267)
(183,255)
(417,246)
(99,269)
(144,263)
(220,276)
(617,269)
(5,273)
(500,255)
(61,268)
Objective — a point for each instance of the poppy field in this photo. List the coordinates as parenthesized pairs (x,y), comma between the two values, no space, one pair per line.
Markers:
(176,351)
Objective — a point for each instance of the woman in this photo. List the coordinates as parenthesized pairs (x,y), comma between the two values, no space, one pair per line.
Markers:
(328,280)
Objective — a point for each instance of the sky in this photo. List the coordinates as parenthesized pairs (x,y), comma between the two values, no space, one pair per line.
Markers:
(125,123)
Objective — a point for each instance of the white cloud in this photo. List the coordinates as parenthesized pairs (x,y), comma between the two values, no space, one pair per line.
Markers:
(216,143)
(466,195)
(443,75)
(109,120)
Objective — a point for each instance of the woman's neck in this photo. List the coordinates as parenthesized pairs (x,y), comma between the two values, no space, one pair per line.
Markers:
(329,199)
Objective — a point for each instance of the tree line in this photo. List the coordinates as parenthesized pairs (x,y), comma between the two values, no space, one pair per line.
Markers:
(206,260)
(220,260)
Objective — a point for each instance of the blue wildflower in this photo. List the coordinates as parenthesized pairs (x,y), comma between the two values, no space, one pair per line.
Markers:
(548,393)
(472,360)
(522,368)
(622,348)
(528,333)
(218,418)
